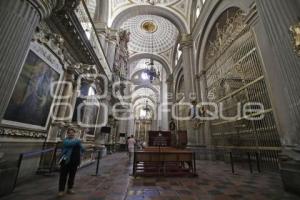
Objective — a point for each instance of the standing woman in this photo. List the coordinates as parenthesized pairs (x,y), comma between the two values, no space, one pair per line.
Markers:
(69,162)
(131,142)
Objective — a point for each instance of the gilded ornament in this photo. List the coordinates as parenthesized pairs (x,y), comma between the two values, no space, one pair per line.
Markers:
(295,31)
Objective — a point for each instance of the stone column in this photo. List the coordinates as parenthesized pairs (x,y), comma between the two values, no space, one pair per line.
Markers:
(189,82)
(101,13)
(112,44)
(75,94)
(18,21)
(170,98)
(64,110)
(204,97)
(277,17)
(186,46)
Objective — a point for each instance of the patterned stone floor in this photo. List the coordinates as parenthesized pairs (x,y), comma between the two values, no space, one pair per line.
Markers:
(215,182)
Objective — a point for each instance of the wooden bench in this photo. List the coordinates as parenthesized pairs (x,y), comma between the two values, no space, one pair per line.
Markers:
(164,161)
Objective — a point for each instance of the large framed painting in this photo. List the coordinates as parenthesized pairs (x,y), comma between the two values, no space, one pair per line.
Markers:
(31,101)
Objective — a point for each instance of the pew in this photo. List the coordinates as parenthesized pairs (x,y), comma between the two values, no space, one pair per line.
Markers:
(164,161)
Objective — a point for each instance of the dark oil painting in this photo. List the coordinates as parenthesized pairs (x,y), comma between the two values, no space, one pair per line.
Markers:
(31,100)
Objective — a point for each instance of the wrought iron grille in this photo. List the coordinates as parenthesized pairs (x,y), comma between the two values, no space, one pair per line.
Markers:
(234,77)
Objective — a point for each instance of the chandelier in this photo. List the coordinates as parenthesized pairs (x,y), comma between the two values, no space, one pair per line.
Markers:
(146,108)
(151,72)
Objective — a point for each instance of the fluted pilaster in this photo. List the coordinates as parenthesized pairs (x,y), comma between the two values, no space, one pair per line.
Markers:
(186,45)
(277,16)
(170,97)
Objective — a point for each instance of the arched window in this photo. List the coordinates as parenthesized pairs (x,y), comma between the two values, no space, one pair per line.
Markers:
(92,91)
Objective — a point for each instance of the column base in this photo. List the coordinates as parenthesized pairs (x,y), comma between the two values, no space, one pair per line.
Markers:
(290,169)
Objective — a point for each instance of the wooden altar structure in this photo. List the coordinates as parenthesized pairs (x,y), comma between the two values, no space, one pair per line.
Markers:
(159,138)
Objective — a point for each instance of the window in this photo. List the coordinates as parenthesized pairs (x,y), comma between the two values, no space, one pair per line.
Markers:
(143,113)
(91,92)
(145,76)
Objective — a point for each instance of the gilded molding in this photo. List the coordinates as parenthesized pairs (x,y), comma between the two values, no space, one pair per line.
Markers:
(295,31)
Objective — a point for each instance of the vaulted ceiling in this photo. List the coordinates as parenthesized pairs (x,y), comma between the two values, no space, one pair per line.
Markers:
(150,34)
(155,27)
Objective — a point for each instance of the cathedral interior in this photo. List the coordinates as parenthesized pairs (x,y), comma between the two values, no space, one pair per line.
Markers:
(209,89)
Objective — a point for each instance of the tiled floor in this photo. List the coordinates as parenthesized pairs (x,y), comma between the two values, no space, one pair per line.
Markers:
(215,182)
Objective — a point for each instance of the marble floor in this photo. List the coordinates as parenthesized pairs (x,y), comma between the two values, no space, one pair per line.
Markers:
(214,182)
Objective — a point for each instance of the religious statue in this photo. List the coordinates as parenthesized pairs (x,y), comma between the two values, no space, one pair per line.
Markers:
(195,112)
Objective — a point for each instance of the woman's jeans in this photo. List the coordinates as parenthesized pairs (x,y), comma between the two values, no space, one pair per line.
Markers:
(67,170)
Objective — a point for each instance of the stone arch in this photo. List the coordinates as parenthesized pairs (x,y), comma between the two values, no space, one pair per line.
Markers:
(217,8)
(150,10)
(146,87)
(155,57)
(140,106)
(143,97)
(179,81)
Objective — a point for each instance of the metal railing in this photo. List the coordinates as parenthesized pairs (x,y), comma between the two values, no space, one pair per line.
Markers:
(263,159)
(49,159)
(28,155)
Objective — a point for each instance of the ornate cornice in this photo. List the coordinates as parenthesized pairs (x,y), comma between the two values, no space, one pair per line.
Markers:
(21,133)
(52,41)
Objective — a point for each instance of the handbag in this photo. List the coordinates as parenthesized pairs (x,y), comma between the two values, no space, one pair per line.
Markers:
(62,160)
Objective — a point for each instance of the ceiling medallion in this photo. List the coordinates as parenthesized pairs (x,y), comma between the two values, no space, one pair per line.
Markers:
(149,26)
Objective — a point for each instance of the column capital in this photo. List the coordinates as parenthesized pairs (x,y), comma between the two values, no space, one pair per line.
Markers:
(186,41)
(170,79)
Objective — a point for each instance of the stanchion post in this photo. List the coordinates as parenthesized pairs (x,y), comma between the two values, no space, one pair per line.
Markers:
(134,164)
(231,162)
(249,162)
(98,163)
(18,170)
(53,159)
(257,162)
